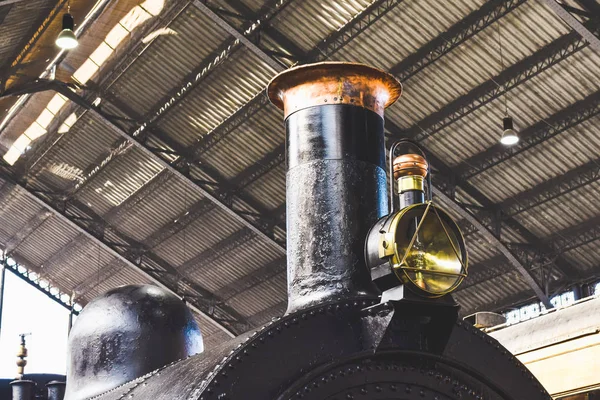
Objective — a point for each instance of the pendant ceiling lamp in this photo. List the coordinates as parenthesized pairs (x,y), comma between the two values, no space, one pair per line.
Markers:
(509,136)
(66,39)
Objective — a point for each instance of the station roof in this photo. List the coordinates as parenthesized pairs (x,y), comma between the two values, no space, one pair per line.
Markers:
(162,161)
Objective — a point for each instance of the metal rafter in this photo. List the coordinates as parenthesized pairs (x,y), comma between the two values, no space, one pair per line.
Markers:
(436,48)
(493,240)
(281,39)
(254,278)
(278,37)
(30,39)
(21,267)
(575,236)
(524,70)
(251,176)
(485,271)
(590,36)
(193,79)
(217,251)
(538,133)
(553,188)
(457,34)
(128,252)
(323,50)
(30,226)
(181,171)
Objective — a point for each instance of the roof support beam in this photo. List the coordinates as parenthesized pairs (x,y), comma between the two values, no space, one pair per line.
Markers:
(538,133)
(166,163)
(521,72)
(553,188)
(31,226)
(493,240)
(25,274)
(574,23)
(436,48)
(209,64)
(128,259)
(328,47)
(266,58)
(210,255)
(576,236)
(485,271)
(457,34)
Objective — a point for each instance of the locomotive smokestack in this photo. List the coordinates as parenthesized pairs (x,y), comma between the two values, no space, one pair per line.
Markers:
(336,179)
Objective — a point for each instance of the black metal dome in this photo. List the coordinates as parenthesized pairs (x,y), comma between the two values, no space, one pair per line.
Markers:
(126,333)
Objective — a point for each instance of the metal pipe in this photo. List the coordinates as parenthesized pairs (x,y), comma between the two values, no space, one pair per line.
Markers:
(336,180)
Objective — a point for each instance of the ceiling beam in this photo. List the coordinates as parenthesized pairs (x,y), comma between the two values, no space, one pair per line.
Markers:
(587,34)
(524,70)
(530,137)
(494,241)
(323,50)
(575,236)
(178,171)
(30,226)
(427,54)
(121,253)
(186,86)
(254,278)
(453,37)
(285,43)
(242,37)
(23,272)
(217,251)
(485,271)
(553,188)
(30,38)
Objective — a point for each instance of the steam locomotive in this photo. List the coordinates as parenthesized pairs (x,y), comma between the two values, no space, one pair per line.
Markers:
(370,312)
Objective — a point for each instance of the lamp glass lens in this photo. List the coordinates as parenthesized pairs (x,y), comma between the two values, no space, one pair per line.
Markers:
(66,39)
(509,137)
(432,264)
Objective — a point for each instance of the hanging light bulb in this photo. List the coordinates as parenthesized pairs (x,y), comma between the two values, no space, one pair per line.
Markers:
(509,135)
(66,38)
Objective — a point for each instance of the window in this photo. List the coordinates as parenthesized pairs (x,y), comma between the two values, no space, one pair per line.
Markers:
(27,310)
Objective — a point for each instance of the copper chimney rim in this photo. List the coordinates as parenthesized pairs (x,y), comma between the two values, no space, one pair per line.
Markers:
(334,83)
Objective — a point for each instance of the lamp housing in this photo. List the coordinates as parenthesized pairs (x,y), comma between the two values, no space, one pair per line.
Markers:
(509,135)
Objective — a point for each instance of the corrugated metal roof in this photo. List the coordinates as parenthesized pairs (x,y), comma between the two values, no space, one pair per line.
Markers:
(149,206)
(16,22)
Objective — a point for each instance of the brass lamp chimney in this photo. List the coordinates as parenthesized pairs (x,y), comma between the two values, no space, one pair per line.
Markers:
(336,179)
(410,171)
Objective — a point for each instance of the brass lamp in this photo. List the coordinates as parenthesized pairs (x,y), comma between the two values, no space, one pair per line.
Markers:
(420,243)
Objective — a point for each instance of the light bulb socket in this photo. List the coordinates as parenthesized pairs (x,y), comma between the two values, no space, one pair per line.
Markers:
(68,22)
(507,123)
